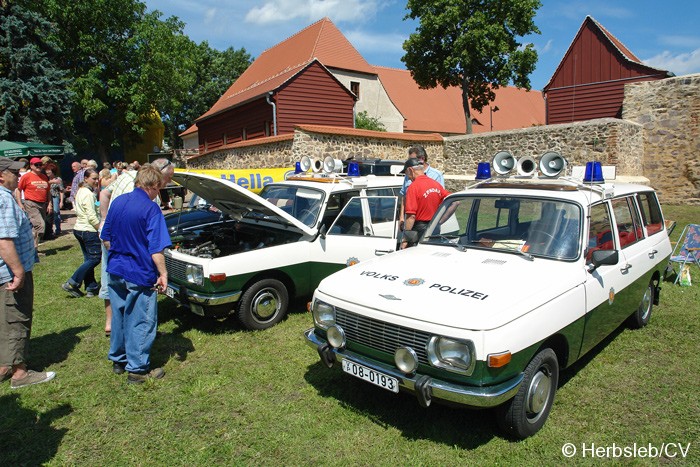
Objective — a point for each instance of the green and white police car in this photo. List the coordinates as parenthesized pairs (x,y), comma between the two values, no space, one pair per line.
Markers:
(484,313)
(267,249)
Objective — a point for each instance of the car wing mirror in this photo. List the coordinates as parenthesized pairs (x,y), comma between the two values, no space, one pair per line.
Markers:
(410,236)
(603,257)
(323,230)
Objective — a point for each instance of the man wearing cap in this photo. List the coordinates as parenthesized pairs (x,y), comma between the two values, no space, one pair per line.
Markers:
(34,185)
(17,258)
(423,197)
(418,152)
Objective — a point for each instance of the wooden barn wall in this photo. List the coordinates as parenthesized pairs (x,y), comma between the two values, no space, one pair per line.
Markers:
(593,59)
(227,128)
(314,97)
(578,103)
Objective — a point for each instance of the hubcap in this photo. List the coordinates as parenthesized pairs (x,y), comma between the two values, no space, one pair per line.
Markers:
(266,304)
(646,303)
(538,394)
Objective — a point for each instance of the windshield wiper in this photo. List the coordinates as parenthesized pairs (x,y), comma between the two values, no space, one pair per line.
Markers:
(503,245)
(447,240)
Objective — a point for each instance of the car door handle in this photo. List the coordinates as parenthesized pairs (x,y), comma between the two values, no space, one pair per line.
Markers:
(652,253)
(626,268)
(382,252)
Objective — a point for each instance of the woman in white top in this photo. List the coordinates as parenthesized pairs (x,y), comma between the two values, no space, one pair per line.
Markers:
(85,230)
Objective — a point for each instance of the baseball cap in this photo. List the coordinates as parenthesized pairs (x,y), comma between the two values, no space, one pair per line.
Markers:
(9,164)
(35,160)
(411,162)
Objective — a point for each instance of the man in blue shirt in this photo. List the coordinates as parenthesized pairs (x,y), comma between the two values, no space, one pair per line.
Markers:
(135,234)
(17,258)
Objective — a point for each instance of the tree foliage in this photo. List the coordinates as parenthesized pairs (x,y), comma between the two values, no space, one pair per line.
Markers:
(472,44)
(365,122)
(127,65)
(34,99)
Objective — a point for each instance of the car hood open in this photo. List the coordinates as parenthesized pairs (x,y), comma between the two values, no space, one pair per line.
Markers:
(234,200)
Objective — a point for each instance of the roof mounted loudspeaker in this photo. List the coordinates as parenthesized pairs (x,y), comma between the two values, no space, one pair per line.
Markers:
(503,162)
(331,165)
(316,165)
(526,166)
(305,163)
(552,164)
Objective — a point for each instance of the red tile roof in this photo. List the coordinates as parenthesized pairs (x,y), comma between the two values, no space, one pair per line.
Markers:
(189,131)
(440,110)
(276,65)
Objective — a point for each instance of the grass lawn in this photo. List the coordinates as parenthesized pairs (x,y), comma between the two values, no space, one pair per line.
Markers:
(237,397)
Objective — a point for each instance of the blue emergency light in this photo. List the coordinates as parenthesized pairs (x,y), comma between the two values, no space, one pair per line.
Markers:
(483,171)
(353,169)
(593,173)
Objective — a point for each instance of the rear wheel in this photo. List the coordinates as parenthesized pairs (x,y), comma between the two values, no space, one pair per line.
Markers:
(641,317)
(524,414)
(263,304)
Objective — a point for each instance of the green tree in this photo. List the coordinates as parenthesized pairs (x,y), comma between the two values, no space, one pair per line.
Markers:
(34,99)
(214,72)
(472,44)
(364,121)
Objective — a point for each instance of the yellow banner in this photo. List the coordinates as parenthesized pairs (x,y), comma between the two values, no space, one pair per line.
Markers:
(250,179)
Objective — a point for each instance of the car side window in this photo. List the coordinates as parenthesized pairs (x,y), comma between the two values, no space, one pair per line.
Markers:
(651,212)
(629,229)
(600,234)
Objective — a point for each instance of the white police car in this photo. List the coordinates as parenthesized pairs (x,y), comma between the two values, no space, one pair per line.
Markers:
(484,312)
(267,249)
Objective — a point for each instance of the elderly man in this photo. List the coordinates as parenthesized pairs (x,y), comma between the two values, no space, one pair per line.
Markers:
(124,183)
(33,194)
(136,236)
(423,198)
(78,175)
(419,153)
(17,258)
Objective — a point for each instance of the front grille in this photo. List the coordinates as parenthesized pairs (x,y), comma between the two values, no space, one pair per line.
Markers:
(176,268)
(378,335)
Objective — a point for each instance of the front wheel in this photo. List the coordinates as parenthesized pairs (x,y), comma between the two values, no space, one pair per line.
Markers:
(263,304)
(642,315)
(525,414)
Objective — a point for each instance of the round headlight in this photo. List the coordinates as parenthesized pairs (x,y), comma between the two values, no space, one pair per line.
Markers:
(336,337)
(324,314)
(450,354)
(406,360)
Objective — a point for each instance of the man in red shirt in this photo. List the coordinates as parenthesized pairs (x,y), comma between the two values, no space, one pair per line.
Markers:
(423,197)
(35,186)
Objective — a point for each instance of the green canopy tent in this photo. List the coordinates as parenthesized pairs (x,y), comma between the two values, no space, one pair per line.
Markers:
(15,150)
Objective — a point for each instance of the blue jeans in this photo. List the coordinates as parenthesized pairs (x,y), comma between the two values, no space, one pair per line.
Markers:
(91,246)
(56,214)
(134,323)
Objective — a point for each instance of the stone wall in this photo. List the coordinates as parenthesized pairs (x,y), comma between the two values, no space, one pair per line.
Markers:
(669,112)
(607,140)
(263,153)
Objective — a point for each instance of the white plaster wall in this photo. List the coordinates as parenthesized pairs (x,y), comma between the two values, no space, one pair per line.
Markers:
(373,99)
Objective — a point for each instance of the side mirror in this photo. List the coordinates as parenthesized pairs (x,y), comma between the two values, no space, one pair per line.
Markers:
(410,236)
(322,231)
(603,257)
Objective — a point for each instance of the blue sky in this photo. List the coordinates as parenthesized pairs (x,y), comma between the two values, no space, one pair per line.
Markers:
(662,34)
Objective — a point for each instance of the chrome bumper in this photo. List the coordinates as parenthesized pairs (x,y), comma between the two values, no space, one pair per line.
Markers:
(185,296)
(425,387)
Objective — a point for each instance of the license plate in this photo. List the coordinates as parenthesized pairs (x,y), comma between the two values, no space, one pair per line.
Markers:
(170,292)
(371,376)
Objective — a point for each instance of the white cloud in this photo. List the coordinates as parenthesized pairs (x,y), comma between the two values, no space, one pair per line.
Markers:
(376,42)
(275,11)
(680,41)
(680,64)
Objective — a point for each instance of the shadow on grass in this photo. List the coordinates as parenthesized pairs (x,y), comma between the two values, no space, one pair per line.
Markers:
(26,436)
(170,345)
(451,426)
(55,250)
(53,348)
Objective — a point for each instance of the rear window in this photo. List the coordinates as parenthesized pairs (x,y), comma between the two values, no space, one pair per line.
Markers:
(651,212)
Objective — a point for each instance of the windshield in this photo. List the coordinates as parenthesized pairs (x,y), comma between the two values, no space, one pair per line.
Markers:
(302,203)
(529,226)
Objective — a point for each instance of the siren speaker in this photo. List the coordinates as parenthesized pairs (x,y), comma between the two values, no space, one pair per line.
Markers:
(305,163)
(316,165)
(552,164)
(503,162)
(331,165)
(526,166)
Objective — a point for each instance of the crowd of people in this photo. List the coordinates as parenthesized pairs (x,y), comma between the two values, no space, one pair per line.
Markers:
(127,235)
